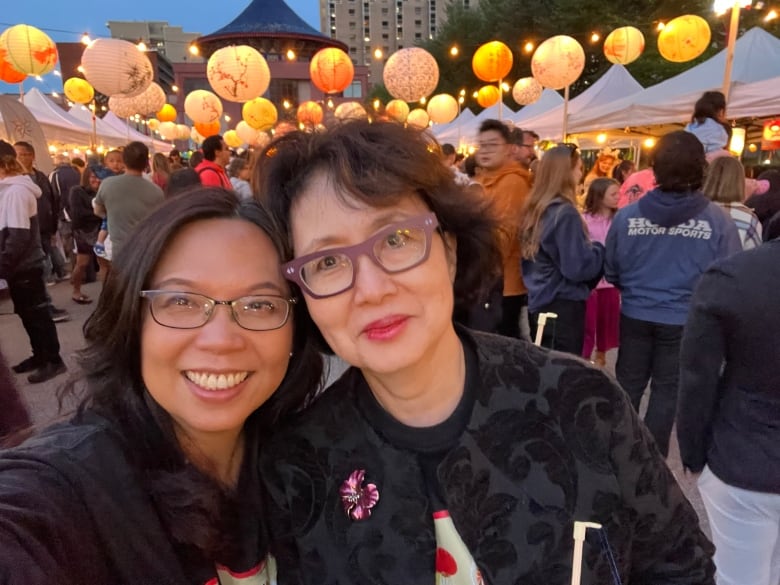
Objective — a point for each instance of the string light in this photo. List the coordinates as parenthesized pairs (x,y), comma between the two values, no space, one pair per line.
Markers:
(595,38)
(378,54)
(291,56)
(85,39)
(194,50)
(454,51)
(771,15)
(528,47)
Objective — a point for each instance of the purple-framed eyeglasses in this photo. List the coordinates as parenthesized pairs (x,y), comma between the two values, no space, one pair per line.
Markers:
(398,247)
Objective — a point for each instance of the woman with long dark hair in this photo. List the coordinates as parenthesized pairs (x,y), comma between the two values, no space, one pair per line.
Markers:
(85,225)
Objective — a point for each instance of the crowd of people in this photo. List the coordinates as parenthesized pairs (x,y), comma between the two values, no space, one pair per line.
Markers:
(204,448)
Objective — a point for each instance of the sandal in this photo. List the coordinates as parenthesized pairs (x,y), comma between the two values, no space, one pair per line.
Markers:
(82,300)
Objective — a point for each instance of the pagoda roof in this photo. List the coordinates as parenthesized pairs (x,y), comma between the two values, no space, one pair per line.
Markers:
(268,17)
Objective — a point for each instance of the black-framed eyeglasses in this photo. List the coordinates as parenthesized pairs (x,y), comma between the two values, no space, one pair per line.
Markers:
(188,310)
(396,248)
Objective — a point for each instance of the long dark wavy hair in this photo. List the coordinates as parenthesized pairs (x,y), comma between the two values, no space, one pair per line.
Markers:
(196,509)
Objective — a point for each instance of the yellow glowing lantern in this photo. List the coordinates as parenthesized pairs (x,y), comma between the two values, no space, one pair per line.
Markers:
(684,38)
(207,129)
(167,113)
(624,45)
(558,62)
(398,110)
(78,90)
(331,70)
(418,118)
(259,113)
(232,139)
(526,91)
(350,111)
(116,67)
(167,130)
(492,61)
(238,73)
(310,113)
(442,108)
(488,95)
(154,124)
(29,50)
(246,133)
(203,107)
(411,74)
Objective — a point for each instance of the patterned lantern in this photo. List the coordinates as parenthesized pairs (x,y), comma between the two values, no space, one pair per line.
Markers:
(526,91)
(331,70)
(260,114)
(411,74)
(488,95)
(167,113)
(246,133)
(232,139)
(238,73)
(149,100)
(310,113)
(202,106)
(123,107)
(418,118)
(442,108)
(7,71)
(207,129)
(684,38)
(398,110)
(116,67)
(154,124)
(624,45)
(78,90)
(558,62)
(168,130)
(492,61)
(350,111)
(28,50)
(182,131)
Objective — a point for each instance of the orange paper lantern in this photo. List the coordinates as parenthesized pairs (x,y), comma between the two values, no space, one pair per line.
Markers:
(398,110)
(684,38)
(558,62)
(492,61)
(259,113)
(331,70)
(442,108)
(238,73)
(418,118)
(78,90)
(203,107)
(488,95)
(167,113)
(207,129)
(624,45)
(29,50)
(310,113)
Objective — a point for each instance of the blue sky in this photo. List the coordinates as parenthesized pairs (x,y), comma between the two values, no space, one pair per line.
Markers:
(67,21)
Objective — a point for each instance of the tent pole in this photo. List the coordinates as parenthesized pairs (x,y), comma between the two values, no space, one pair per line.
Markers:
(565,112)
(500,99)
(93,137)
(21,91)
(733,28)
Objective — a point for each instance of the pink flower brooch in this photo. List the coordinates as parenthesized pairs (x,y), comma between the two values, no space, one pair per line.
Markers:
(356,498)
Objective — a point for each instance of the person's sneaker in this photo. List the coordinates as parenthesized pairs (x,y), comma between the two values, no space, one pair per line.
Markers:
(46,372)
(28,365)
(100,250)
(59,315)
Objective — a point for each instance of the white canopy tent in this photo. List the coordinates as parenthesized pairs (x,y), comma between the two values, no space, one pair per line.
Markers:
(549,100)
(756,61)
(468,128)
(111,123)
(453,132)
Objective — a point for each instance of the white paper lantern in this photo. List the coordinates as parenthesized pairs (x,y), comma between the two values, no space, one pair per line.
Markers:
(182,131)
(527,90)
(149,101)
(121,106)
(558,62)
(238,73)
(262,140)
(246,133)
(350,111)
(168,130)
(202,106)
(411,74)
(442,108)
(418,118)
(116,67)
(195,136)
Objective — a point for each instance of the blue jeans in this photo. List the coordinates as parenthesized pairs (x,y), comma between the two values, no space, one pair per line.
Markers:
(650,352)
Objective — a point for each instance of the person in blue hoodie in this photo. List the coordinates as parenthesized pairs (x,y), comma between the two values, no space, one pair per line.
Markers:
(657,248)
(559,262)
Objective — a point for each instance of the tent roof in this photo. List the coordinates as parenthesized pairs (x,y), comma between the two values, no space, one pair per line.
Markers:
(546,102)
(453,131)
(120,126)
(268,16)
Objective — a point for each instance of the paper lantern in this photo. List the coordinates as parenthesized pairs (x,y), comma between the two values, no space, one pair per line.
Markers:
(246,133)
(350,111)
(411,74)
(398,110)
(78,90)
(684,38)
(558,62)
(149,100)
(28,50)
(154,124)
(624,45)
(207,129)
(492,61)
(259,113)
(262,139)
(771,131)
(182,131)
(238,73)
(116,67)
(7,71)
(526,91)
(167,113)
(202,106)
(331,70)
(232,139)
(310,113)
(418,118)
(488,95)
(168,130)
(121,106)
(442,108)
(196,137)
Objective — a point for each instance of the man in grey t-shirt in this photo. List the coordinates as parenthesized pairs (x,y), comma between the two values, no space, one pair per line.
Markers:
(126,199)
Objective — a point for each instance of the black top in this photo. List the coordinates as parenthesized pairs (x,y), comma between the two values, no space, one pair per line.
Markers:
(82,215)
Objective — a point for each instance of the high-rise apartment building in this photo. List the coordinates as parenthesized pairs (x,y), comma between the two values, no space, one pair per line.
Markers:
(374,29)
(170,41)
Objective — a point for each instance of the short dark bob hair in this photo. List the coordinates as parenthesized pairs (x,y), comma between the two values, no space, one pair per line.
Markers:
(380,163)
(678,162)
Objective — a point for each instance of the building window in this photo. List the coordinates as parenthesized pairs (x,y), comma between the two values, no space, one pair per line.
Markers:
(417,35)
(283,89)
(356,89)
(385,11)
(351,12)
(418,10)
(418,23)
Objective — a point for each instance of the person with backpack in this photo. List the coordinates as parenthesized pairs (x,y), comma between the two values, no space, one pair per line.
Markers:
(216,156)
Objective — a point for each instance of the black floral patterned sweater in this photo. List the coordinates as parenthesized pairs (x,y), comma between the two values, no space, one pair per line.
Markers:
(549,441)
